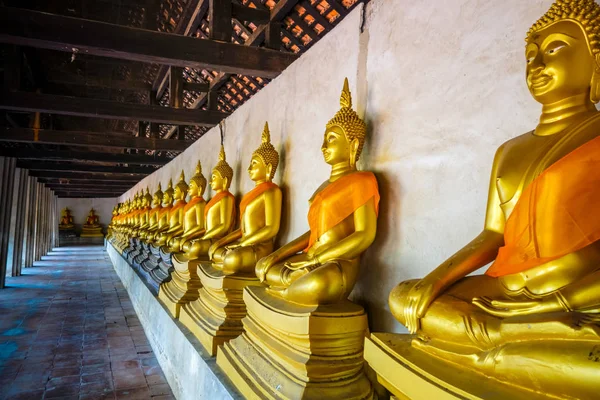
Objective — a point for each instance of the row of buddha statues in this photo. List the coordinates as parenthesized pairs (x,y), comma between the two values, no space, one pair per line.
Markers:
(279,320)
(91,227)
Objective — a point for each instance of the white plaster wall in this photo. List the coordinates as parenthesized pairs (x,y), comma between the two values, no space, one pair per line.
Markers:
(442,86)
(81,207)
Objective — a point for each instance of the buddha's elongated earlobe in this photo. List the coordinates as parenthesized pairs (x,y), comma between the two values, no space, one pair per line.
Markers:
(595,85)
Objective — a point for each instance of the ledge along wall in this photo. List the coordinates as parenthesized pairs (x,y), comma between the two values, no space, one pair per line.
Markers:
(441,89)
(80,207)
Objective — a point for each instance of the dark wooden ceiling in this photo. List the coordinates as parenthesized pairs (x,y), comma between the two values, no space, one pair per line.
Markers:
(98,94)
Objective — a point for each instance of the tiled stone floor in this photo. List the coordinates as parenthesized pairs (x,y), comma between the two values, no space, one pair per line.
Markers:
(68,331)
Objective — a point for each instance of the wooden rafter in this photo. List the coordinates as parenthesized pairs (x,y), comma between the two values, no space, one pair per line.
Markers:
(113,158)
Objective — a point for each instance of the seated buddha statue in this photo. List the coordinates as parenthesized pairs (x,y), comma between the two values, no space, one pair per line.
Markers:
(113,219)
(531,321)
(260,211)
(175,218)
(218,213)
(321,266)
(148,232)
(163,216)
(143,215)
(302,338)
(134,215)
(92,227)
(66,219)
(193,213)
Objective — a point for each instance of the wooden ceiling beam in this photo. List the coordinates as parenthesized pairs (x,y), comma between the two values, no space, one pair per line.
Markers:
(113,158)
(91,139)
(77,167)
(94,108)
(78,195)
(89,176)
(88,81)
(56,32)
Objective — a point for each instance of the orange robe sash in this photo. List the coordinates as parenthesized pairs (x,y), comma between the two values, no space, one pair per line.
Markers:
(216,198)
(556,215)
(339,200)
(253,194)
(192,203)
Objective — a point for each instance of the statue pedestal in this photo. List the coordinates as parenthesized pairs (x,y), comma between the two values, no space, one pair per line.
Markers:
(183,286)
(92,232)
(154,268)
(409,373)
(216,316)
(289,351)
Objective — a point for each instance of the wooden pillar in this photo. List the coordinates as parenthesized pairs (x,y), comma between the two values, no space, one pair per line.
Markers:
(37,231)
(17,229)
(7,176)
(30,222)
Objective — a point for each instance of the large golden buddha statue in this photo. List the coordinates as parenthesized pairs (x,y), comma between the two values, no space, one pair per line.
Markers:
(143,215)
(193,213)
(218,213)
(66,219)
(302,337)
(531,321)
(215,317)
(153,213)
(175,217)
(92,227)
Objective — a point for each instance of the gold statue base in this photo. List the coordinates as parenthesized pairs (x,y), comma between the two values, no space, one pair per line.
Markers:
(409,373)
(92,233)
(289,351)
(216,316)
(183,286)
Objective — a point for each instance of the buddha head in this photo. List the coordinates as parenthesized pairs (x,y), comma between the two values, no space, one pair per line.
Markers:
(197,182)
(168,194)
(344,134)
(563,52)
(157,197)
(181,188)
(222,173)
(115,210)
(147,198)
(265,159)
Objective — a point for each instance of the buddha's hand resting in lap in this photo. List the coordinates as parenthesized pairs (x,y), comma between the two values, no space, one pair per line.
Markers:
(264,264)
(511,308)
(418,300)
(307,264)
(232,246)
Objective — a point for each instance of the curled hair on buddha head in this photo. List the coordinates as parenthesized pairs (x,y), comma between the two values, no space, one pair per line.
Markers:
(147,196)
(170,191)
(159,191)
(223,168)
(348,120)
(266,151)
(198,178)
(181,184)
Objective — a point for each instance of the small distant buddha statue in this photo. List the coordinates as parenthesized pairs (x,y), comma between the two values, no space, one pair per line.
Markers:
(532,320)
(302,337)
(163,215)
(193,213)
(92,227)
(321,266)
(175,213)
(66,219)
(113,220)
(260,211)
(218,213)
(149,231)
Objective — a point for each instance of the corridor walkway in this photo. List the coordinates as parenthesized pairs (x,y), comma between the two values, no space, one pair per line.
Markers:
(68,331)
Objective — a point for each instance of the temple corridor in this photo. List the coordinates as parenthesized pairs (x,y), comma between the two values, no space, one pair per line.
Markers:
(68,330)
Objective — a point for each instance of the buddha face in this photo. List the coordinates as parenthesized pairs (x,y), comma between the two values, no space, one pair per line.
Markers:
(179,194)
(216,181)
(194,189)
(167,198)
(336,147)
(156,200)
(559,63)
(258,170)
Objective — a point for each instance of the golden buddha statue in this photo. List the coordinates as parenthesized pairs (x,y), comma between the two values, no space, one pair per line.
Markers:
(66,219)
(184,283)
(260,211)
(215,317)
(531,321)
(113,220)
(149,231)
(302,337)
(218,213)
(92,227)
(143,215)
(163,216)
(175,213)
(193,213)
